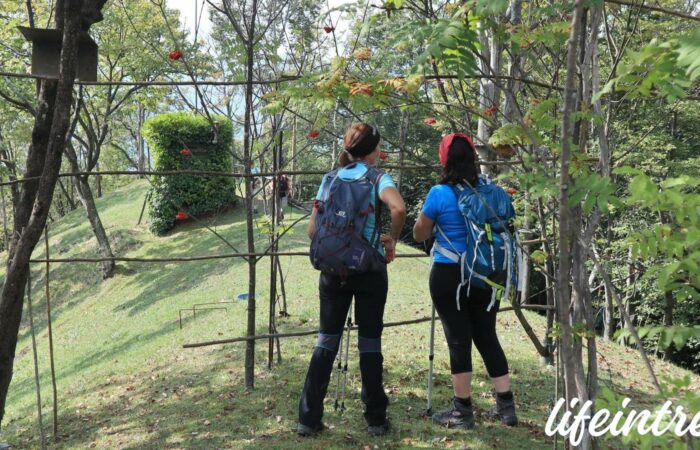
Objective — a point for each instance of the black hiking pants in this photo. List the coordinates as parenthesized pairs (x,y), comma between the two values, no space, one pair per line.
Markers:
(370,291)
(472,323)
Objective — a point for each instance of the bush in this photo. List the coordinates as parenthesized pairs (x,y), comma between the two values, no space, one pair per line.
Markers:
(168,135)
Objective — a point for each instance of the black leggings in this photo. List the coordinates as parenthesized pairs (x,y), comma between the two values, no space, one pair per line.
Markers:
(471,323)
(369,290)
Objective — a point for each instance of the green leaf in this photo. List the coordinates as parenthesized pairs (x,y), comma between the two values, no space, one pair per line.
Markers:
(689,54)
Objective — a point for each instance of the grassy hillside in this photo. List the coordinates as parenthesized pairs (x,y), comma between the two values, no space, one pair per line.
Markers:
(124,380)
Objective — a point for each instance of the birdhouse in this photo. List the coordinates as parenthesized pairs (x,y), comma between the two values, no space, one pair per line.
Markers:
(46,53)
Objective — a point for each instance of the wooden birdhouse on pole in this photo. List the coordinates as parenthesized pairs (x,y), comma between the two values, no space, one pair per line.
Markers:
(46,53)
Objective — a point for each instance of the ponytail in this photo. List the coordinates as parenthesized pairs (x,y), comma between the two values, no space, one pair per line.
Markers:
(344,159)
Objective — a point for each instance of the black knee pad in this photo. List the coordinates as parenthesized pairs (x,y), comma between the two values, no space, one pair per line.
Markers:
(328,341)
(369,345)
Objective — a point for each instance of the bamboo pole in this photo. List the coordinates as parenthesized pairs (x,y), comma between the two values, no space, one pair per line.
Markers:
(312,332)
(51,354)
(39,418)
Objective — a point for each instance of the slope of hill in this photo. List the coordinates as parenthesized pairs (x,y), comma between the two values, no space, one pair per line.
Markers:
(124,380)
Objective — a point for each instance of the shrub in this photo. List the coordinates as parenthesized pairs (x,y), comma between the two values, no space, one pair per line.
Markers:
(168,135)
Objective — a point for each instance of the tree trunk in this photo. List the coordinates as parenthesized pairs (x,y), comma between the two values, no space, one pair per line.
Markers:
(248,158)
(140,143)
(567,233)
(98,181)
(489,94)
(670,300)
(67,194)
(43,159)
(609,315)
(86,198)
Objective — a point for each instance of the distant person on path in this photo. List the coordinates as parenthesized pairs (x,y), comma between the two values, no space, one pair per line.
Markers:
(349,249)
(467,312)
(283,193)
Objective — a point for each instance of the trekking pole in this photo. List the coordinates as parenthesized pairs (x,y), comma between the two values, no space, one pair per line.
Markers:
(338,370)
(431,354)
(345,367)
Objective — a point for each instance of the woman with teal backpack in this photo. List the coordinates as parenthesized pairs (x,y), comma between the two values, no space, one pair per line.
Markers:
(472,267)
(351,252)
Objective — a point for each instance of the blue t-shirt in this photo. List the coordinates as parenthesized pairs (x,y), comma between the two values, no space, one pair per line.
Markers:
(441,207)
(355,172)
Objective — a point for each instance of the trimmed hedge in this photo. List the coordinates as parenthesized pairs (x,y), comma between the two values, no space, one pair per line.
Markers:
(167,136)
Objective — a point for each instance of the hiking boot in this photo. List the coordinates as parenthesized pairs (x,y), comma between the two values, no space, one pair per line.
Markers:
(305,430)
(504,409)
(459,416)
(379,430)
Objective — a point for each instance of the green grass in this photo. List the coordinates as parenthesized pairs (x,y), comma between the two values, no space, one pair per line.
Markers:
(124,380)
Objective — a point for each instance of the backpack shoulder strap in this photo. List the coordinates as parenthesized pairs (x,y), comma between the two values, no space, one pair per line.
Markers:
(374,176)
(328,180)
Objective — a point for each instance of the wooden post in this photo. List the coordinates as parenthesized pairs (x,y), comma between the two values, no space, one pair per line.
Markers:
(402,147)
(273,237)
(294,156)
(39,418)
(283,311)
(48,313)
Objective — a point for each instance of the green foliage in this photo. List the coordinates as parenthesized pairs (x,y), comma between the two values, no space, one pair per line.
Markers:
(169,134)
(509,134)
(450,42)
(672,245)
(678,390)
(677,336)
(593,190)
(666,66)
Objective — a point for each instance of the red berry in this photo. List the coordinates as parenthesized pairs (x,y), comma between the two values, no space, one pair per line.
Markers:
(488,112)
(383,156)
(181,215)
(185,152)
(328,29)
(175,55)
(313,134)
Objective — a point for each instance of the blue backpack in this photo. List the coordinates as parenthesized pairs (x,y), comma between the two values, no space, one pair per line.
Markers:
(338,246)
(490,256)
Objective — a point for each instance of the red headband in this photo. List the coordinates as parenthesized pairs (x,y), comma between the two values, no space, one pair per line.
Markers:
(447,142)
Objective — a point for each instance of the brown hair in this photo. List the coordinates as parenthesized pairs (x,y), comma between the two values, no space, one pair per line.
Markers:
(360,140)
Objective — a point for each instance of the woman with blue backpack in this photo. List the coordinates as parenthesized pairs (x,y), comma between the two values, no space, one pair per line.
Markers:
(473,268)
(348,247)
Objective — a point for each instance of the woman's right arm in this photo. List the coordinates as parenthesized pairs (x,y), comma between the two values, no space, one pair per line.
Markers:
(311,228)
(423,228)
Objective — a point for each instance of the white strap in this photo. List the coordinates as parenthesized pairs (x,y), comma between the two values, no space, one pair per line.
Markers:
(452,256)
(493,300)
(508,262)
